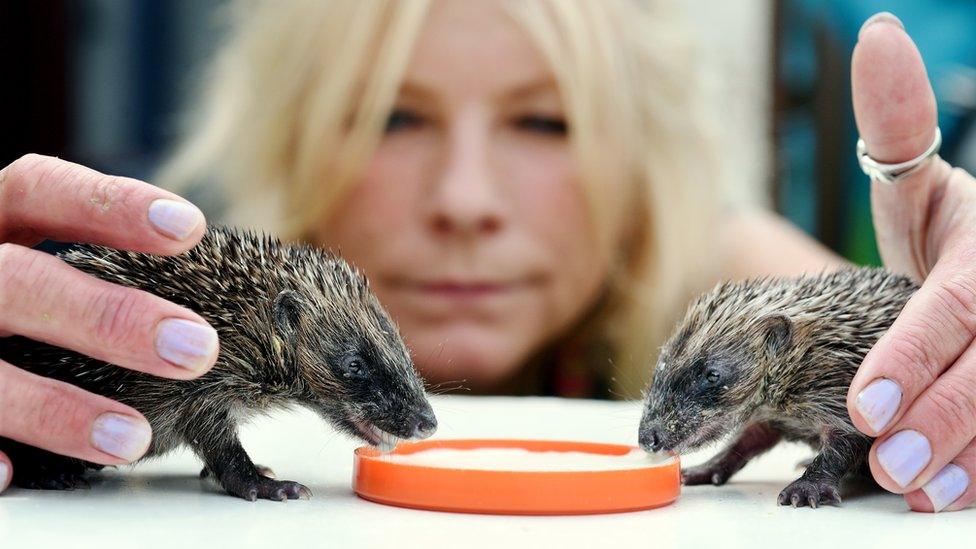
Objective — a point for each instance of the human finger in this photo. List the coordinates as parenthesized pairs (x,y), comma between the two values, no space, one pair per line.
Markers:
(45,197)
(66,420)
(6,472)
(44,299)
(931,332)
(937,426)
(895,111)
(951,489)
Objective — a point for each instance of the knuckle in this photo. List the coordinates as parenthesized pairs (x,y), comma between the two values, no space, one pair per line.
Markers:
(913,356)
(28,170)
(107,192)
(958,294)
(14,261)
(24,167)
(18,179)
(954,405)
(114,314)
(56,411)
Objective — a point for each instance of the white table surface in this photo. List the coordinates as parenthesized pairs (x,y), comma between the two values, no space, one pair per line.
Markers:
(163,504)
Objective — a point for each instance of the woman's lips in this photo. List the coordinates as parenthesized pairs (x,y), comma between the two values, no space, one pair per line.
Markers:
(464,290)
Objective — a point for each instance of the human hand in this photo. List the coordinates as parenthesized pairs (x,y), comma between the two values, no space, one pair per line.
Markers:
(44,299)
(916,389)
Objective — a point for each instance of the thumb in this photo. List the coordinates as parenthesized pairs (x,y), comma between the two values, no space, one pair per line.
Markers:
(895,110)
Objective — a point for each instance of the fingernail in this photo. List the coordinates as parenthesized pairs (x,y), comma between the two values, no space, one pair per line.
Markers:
(173,218)
(904,455)
(878,402)
(880,17)
(121,436)
(946,486)
(4,474)
(185,343)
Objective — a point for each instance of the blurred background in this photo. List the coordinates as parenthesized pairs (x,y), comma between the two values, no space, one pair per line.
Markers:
(107,83)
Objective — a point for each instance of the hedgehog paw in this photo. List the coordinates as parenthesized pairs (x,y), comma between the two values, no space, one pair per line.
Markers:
(705,474)
(811,493)
(263,487)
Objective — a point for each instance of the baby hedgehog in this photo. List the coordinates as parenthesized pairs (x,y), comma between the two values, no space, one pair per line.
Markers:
(297,325)
(771,359)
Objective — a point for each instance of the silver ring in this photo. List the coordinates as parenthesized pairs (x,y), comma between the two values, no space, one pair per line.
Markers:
(891,173)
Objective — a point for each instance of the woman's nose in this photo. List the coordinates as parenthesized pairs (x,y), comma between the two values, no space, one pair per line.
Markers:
(465,198)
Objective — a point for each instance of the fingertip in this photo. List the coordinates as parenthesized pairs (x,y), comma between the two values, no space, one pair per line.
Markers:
(917,501)
(124,436)
(178,220)
(192,346)
(880,475)
(884,17)
(875,405)
(6,472)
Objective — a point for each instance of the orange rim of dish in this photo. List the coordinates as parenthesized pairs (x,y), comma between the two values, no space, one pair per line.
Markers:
(513,492)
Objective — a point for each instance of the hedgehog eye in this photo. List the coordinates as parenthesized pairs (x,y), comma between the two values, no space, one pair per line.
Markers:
(353,366)
(712,377)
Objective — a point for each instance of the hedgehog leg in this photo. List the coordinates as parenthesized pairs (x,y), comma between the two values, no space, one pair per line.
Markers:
(39,469)
(754,440)
(233,469)
(262,469)
(840,454)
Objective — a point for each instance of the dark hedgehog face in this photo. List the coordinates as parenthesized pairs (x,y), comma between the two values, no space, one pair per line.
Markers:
(706,380)
(357,371)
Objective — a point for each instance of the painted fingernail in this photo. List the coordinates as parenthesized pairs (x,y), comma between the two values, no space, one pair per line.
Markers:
(121,436)
(880,17)
(185,343)
(878,402)
(904,455)
(946,486)
(173,218)
(4,475)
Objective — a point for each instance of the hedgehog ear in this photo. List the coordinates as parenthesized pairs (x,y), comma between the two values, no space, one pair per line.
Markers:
(287,311)
(777,332)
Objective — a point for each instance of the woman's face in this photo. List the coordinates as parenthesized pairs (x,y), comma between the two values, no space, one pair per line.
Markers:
(470,220)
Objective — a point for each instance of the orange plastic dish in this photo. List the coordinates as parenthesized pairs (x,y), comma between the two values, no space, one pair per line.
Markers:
(514,492)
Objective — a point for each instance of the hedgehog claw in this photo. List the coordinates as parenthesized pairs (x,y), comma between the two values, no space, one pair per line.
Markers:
(804,492)
(705,474)
(267,488)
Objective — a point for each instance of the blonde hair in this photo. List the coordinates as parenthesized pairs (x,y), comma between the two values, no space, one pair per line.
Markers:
(300,93)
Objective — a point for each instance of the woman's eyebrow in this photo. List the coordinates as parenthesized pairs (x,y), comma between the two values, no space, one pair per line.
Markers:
(532,88)
(414,90)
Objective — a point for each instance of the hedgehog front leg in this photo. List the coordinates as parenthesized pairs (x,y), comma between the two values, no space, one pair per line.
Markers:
(840,453)
(236,473)
(754,440)
(217,444)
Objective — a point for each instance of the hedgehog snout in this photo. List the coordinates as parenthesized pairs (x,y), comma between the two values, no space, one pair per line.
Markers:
(651,437)
(424,424)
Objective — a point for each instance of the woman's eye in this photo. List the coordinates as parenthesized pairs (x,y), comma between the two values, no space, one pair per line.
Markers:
(401,119)
(546,125)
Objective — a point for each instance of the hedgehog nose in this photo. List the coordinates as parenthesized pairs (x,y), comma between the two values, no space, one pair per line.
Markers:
(426,425)
(650,438)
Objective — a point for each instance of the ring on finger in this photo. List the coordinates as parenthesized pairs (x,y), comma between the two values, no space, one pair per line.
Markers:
(891,173)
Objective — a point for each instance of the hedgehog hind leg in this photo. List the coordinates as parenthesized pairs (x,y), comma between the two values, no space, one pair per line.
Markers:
(38,469)
(228,463)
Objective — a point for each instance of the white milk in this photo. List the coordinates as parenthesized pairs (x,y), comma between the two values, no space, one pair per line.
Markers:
(517,459)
